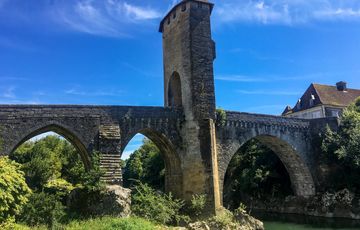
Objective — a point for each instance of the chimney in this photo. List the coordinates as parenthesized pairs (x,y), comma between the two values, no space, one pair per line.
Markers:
(341,86)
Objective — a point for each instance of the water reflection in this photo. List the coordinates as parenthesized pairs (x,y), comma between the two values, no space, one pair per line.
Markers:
(296,222)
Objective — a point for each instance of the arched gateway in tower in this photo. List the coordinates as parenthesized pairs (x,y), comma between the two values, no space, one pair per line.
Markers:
(197,149)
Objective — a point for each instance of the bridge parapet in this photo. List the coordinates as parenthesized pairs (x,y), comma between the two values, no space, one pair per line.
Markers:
(249,120)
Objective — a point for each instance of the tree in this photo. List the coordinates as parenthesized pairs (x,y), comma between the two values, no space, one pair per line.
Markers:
(255,172)
(14,192)
(54,170)
(342,146)
(145,164)
(49,159)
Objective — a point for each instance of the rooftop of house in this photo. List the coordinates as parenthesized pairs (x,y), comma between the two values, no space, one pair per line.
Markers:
(318,94)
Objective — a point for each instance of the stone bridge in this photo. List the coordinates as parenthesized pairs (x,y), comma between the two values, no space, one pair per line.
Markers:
(195,149)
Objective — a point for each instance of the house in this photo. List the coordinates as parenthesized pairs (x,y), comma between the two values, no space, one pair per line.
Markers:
(323,101)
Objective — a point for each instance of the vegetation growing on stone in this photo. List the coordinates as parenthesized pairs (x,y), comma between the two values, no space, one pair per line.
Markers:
(220,117)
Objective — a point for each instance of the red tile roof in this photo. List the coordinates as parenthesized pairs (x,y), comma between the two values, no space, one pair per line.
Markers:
(330,95)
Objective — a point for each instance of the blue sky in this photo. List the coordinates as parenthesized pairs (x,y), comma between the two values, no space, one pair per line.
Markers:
(110,51)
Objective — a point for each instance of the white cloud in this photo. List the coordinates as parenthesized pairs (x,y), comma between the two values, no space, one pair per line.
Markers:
(20,101)
(245,78)
(339,13)
(268,109)
(139,13)
(97,93)
(8,92)
(287,12)
(106,18)
(240,78)
(267,92)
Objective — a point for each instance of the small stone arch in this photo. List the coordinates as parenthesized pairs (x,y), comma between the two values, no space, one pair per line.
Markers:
(174,92)
(64,132)
(300,176)
(173,172)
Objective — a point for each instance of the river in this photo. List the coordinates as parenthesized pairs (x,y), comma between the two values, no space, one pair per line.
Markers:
(299,222)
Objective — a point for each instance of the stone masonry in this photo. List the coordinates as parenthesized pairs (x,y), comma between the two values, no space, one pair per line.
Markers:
(195,149)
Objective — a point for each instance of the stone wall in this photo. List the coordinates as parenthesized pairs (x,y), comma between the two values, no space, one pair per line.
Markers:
(289,138)
(106,129)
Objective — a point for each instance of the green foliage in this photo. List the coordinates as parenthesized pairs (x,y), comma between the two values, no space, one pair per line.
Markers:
(48,159)
(54,170)
(198,204)
(43,208)
(108,223)
(220,117)
(342,147)
(14,191)
(145,164)
(255,172)
(160,208)
(223,220)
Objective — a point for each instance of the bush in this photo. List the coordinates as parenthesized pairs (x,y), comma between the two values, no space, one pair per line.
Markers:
(89,191)
(220,117)
(222,220)
(43,209)
(198,203)
(160,208)
(14,191)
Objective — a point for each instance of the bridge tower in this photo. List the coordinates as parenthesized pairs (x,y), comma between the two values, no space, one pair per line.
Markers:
(189,52)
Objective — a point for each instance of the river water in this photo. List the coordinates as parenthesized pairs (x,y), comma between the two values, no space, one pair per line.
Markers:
(299,222)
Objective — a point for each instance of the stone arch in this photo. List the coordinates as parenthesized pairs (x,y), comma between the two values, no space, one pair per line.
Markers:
(61,130)
(174,93)
(173,172)
(300,176)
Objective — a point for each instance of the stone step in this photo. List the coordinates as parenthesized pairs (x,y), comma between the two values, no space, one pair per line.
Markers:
(110,165)
(111,178)
(109,168)
(107,173)
(110,160)
(109,155)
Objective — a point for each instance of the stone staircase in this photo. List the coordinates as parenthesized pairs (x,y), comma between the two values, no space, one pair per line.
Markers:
(110,164)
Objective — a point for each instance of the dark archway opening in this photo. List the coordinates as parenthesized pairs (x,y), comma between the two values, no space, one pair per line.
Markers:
(174,94)
(255,174)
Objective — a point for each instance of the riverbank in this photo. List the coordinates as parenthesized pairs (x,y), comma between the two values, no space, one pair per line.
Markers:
(341,204)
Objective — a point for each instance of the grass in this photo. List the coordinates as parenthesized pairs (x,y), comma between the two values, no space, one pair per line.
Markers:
(112,223)
(105,223)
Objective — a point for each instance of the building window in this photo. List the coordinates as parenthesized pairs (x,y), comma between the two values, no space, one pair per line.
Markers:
(312,100)
(316,114)
(174,91)
(335,113)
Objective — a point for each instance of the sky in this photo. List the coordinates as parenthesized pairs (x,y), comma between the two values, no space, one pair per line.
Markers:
(109,52)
